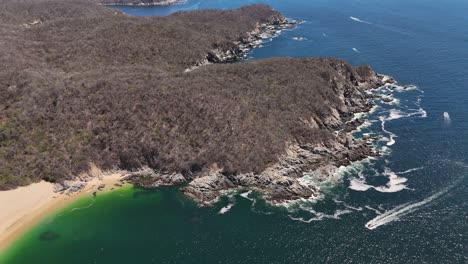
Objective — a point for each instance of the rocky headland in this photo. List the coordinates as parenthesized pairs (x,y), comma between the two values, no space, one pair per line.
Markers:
(85,87)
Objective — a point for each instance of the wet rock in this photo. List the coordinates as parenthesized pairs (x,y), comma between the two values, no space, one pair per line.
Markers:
(148,178)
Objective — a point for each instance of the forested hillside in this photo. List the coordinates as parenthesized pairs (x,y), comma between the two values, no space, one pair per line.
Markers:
(83,84)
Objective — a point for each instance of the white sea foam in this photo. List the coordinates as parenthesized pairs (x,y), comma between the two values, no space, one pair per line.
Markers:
(409,171)
(373,209)
(401,210)
(356,50)
(394,115)
(385,78)
(385,151)
(325,35)
(352,207)
(447,119)
(359,185)
(299,38)
(226,208)
(389,99)
(392,141)
(359,20)
(394,184)
(364,125)
(321,216)
(399,88)
(373,109)
(246,195)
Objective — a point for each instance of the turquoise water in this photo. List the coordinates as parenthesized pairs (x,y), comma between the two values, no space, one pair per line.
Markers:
(414,199)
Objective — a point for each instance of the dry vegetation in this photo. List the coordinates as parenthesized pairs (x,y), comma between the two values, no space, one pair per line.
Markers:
(82,84)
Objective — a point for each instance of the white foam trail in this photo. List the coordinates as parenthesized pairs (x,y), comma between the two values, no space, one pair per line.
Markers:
(356,50)
(447,119)
(359,20)
(401,210)
(320,216)
(373,209)
(337,201)
(409,171)
(325,35)
(226,208)
(395,114)
(392,136)
(353,208)
(391,141)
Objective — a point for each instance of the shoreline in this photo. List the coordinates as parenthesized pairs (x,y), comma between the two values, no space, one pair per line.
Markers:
(39,200)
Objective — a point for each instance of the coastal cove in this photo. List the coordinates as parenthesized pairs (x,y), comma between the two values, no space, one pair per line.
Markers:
(24,207)
(405,205)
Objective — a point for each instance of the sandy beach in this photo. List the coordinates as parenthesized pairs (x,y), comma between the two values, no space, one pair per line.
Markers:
(22,208)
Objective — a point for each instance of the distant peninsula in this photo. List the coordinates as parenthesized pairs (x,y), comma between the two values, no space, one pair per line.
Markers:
(85,86)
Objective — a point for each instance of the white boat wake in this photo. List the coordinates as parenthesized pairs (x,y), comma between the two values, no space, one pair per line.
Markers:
(447,119)
(404,209)
(359,20)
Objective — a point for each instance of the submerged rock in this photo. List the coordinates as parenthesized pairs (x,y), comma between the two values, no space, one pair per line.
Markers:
(49,236)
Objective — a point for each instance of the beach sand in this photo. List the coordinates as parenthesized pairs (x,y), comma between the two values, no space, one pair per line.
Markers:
(22,208)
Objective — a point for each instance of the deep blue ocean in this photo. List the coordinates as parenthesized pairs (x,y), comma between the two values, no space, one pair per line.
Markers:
(409,206)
